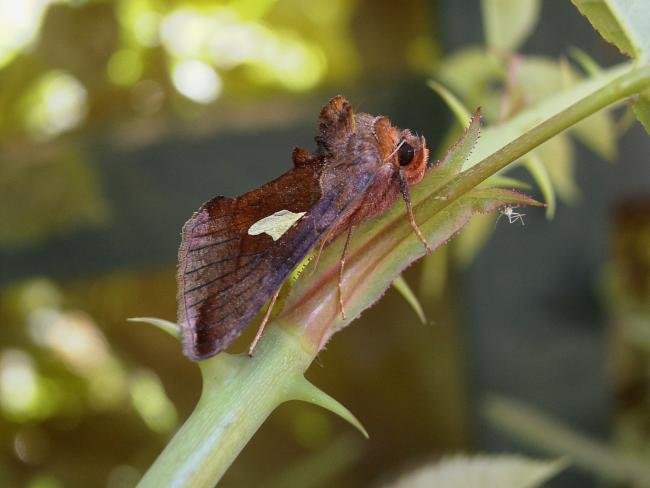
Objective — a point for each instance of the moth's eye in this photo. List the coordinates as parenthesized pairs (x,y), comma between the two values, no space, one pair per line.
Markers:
(405,154)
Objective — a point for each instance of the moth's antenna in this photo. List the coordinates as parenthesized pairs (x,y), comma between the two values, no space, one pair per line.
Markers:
(395,150)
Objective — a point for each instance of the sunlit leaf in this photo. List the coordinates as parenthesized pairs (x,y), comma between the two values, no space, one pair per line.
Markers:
(624,23)
(482,472)
(508,23)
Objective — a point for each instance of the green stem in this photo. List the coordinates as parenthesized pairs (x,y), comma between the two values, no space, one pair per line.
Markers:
(239,392)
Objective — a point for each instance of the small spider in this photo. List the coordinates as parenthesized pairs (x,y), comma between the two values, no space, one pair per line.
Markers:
(512,216)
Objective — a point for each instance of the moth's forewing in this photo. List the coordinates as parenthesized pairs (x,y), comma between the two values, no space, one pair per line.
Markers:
(225,275)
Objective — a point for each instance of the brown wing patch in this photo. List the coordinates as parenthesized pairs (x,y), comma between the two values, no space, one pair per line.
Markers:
(222,268)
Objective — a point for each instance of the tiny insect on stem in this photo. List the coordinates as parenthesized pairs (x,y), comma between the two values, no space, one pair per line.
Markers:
(511,215)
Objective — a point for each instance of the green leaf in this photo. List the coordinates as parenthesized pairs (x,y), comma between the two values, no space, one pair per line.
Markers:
(558,158)
(471,240)
(624,23)
(404,289)
(508,23)
(171,328)
(538,78)
(475,75)
(456,106)
(482,472)
(493,137)
(597,132)
(538,171)
(642,110)
(505,182)
(452,162)
(586,62)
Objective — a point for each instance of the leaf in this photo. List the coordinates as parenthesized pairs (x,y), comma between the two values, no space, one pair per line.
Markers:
(452,162)
(475,75)
(458,109)
(586,62)
(597,132)
(505,181)
(539,77)
(508,23)
(171,328)
(538,171)
(557,156)
(642,110)
(401,285)
(471,240)
(510,471)
(624,23)
(493,137)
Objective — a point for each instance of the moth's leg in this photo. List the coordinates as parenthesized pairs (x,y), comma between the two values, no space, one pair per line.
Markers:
(404,187)
(341,268)
(260,330)
(323,241)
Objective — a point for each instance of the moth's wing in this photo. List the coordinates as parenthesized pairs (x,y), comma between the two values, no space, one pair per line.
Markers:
(224,274)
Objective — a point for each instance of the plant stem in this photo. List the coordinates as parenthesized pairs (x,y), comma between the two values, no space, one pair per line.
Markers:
(239,392)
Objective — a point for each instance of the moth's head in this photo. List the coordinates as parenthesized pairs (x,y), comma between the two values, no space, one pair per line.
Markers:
(406,151)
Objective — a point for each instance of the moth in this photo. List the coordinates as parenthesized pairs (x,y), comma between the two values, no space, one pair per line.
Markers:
(235,253)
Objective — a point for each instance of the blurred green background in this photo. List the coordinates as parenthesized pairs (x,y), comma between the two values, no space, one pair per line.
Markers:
(119,118)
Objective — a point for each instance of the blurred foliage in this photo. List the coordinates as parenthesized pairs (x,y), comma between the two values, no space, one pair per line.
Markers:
(481,472)
(74,71)
(504,82)
(626,291)
(56,178)
(61,381)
